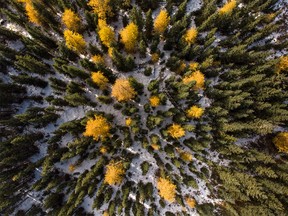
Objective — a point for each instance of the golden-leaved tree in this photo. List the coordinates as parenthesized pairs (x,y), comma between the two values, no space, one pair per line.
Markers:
(32,13)
(161,22)
(71,20)
(195,112)
(74,41)
(228,7)
(98,59)
(129,37)
(154,101)
(196,76)
(114,173)
(282,64)
(281,141)
(191,35)
(99,79)
(106,33)
(122,90)
(128,122)
(98,128)
(176,131)
(101,7)
(167,190)
(186,156)
(191,202)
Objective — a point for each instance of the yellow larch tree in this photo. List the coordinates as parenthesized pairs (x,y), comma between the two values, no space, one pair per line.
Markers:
(129,37)
(128,122)
(155,57)
(195,76)
(114,173)
(74,41)
(193,66)
(176,131)
(98,59)
(106,33)
(154,101)
(32,13)
(155,146)
(281,141)
(186,156)
(71,20)
(103,149)
(71,168)
(167,190)
(228,7)
(191,202)
(195,112)
(99,79)
(122,90)
(161,22)
(98,128)
(282,64)
(101,7)
(105,213)
(191,35)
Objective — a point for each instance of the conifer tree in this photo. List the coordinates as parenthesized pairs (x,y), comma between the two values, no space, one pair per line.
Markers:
(32,13)
(71,20)
(99,79)
(129,37)
(167,190)
(98,128)
(114,173)
(161,22)
(74,41)
(122,90)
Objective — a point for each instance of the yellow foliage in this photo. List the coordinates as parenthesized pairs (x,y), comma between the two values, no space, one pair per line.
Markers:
(32,14)
(155,146)
(195,112)
(14,178)
(281,141)
(128,122)
(114,173)
(129,36)
(195,76)
(167,190)
(99,79)
(193,66)
(282,64)
(155,57)
(176,131)
(181,68)
(106,33)
(97,128)
(122,90)
(154,101)
(191,35)
(228,7)
(101,8)
(103,149)
(110,51)
(191,202)
(161,22)
(74,41)
(186,156)
(98,59)
(71,20)
(71,168)
(105,213)
(25,1)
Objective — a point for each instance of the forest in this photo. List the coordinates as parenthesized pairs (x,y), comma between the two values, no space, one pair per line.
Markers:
(144,107)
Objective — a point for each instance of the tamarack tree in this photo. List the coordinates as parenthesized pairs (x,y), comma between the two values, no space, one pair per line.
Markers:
(101,7)
(106,33)
(196,76)
(129,36)
(71,20)
(167,190)
(176,131)
(195,112)
(161,22)
(74,41)
(114,173)
(99,79)
(281,141)
(98,128)
(122,90)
